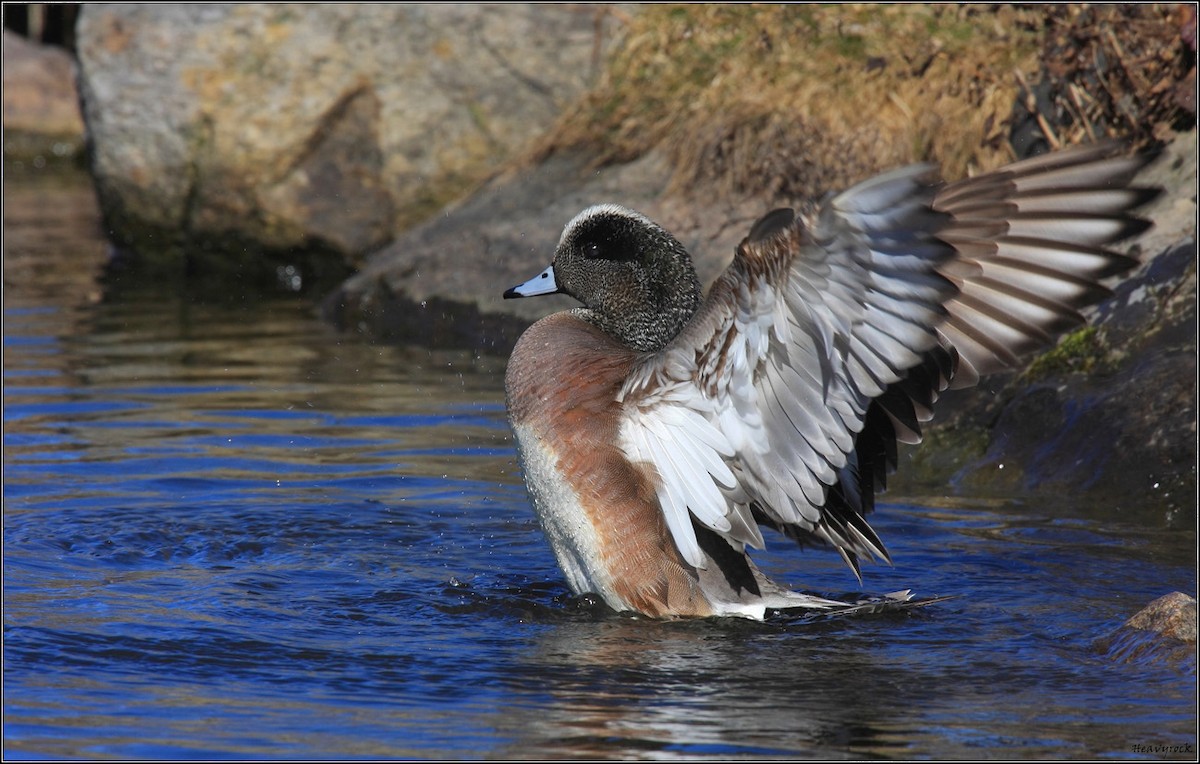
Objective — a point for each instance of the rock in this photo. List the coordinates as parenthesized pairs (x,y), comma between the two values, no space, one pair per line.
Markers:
(223,132)
(1164,630)
(505,234)
(1172,615)
(42,120)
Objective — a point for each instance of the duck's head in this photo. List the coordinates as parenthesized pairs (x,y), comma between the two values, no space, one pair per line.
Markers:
(636,281)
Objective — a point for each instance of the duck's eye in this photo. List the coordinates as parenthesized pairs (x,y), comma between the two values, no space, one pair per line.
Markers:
(592,250)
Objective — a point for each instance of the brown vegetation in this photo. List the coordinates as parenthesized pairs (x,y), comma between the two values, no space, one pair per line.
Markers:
(795,100)
(1127,69)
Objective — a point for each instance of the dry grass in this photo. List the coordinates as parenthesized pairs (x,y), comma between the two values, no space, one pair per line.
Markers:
(795,100)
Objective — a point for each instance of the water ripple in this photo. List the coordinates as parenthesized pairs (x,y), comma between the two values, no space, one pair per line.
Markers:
(230,533)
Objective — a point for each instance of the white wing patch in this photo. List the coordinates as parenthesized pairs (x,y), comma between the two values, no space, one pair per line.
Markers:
(688,455)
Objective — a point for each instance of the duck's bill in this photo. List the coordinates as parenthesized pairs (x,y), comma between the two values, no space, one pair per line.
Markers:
(543,283)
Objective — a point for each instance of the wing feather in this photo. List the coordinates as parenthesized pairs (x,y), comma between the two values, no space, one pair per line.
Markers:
(824,344)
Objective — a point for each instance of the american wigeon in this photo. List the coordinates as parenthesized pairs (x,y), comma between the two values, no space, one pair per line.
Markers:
(658,430)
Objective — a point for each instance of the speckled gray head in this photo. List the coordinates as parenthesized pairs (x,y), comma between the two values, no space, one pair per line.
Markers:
(634,278)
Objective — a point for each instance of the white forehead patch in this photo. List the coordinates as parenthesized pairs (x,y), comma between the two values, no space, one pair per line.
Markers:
(600,210)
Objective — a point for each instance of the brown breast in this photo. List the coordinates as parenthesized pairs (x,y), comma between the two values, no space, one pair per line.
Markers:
(561,384)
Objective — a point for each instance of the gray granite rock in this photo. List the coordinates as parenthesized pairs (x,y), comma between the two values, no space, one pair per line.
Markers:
(237,129)
(464,259)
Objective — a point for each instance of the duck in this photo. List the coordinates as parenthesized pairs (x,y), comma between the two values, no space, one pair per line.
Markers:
(660,430)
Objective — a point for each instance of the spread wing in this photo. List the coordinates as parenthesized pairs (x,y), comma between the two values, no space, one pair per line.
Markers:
(781,402)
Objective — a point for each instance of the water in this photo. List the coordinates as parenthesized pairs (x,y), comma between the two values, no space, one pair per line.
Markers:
(230,532)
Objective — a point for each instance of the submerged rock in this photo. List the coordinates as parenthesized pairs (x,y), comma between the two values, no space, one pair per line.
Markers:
(1163,630)
(1172,615)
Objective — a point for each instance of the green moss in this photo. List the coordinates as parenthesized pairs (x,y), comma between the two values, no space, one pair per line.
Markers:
(1082,351)
(945,451)
(479,118)
(852,47)
(434,195)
